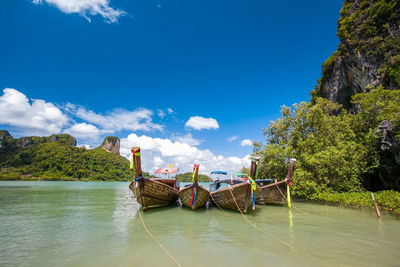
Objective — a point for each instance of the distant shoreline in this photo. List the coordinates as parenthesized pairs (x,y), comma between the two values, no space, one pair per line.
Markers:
(62,179)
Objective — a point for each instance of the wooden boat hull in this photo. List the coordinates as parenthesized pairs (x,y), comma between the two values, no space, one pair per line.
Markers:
(151,194)
(274,193)
(202,196)
(241,192)
(258,195)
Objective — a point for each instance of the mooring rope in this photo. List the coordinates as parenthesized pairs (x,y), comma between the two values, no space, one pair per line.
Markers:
(154,238)
(158,242)
(275,238)
(217,203)
(291,201)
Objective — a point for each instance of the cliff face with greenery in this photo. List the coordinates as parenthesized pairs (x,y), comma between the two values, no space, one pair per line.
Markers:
(347,138)
(57,158)
(368,54)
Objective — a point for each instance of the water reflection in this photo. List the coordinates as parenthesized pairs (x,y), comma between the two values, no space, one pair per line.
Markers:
(290,220)
(126,208)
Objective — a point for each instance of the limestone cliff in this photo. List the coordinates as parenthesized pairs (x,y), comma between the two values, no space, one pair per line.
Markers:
(368,54)
(111,144)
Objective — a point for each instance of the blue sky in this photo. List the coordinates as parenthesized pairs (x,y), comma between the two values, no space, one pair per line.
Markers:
(73,67)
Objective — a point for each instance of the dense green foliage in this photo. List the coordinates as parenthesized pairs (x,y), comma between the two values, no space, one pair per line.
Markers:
(334,149)
(187,177)
(389,199)
(320,137)
(364,26)
(376,106)
(59,159)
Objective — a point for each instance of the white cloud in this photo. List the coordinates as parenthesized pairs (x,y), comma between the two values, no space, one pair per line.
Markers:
(170,111)
(117,119)
(86,8)
(233,138)
(84,145)
(85,131)
(38,117)
(246,142)
(199,123)
(187,139)
(161,113)
(33,118)
(158,152)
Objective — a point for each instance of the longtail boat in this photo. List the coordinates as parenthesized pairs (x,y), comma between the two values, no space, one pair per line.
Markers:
(236,195)
(194,196)
(274,192)
(151,192)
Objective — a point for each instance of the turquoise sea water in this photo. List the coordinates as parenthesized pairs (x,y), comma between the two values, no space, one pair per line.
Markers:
(96,224)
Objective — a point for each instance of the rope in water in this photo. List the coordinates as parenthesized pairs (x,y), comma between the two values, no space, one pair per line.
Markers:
(158,242)
(155,239)
(275,238)
(287,200)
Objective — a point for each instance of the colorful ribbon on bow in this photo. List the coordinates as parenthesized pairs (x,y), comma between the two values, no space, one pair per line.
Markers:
(195,171)
(192,202)
(253,192)
(132,165)
(135,153)
(288,182)
(141,179)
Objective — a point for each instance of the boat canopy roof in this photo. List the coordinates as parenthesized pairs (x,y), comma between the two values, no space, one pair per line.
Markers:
(239,174)
(167,170)
(219,172)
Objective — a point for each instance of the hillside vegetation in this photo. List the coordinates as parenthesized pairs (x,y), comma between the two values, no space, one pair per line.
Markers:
(57,158)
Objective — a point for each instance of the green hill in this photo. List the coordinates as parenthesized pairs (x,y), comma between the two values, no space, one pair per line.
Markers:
(57,158)
(187,177)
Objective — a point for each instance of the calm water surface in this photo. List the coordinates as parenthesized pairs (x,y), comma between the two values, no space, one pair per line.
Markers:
(96,224)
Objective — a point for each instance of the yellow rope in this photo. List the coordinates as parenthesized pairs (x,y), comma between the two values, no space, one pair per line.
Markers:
(220,206)
(154,238)
(158,242)
(217,203)
(287,200)
(275,238)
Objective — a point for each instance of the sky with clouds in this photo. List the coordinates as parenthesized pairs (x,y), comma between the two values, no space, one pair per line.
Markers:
(189,82)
